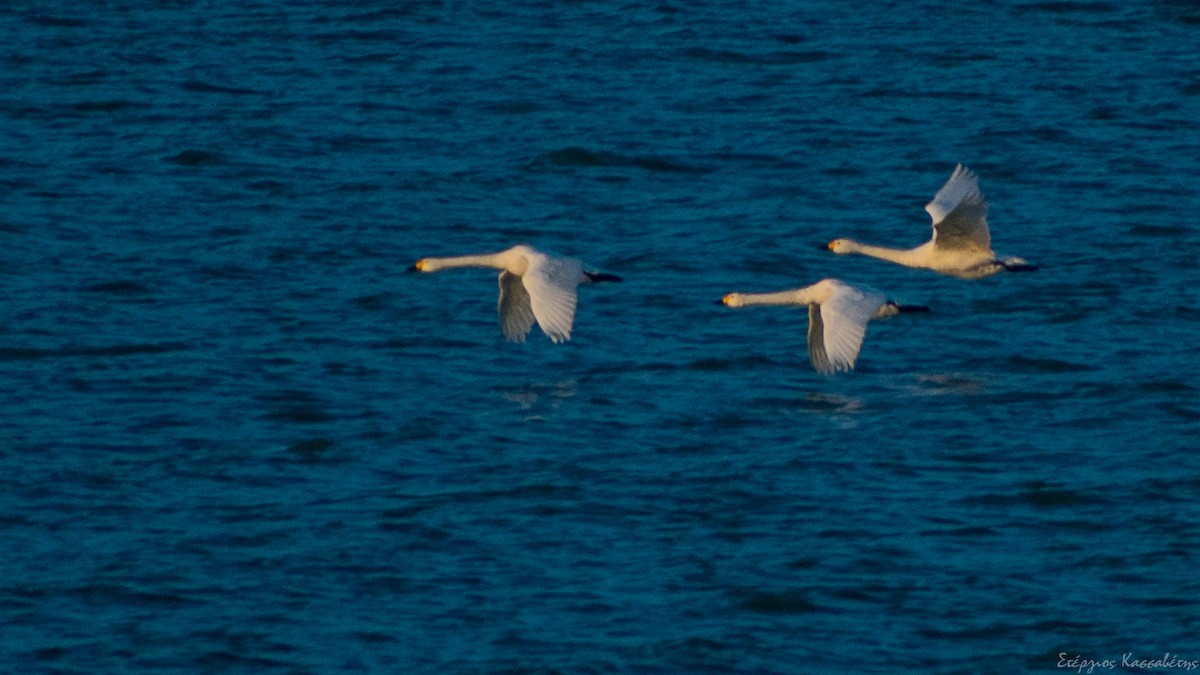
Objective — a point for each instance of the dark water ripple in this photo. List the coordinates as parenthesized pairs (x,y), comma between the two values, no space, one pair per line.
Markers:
(236,438)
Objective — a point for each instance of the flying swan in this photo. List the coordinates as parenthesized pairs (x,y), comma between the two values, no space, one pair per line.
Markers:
(961,245)
(533,286)
(837,318)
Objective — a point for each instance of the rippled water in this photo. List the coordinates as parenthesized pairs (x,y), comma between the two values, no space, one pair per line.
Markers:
(236,438)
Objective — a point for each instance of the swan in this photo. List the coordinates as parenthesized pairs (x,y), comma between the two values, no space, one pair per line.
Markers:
(533,286)
(837,317)
(961,245)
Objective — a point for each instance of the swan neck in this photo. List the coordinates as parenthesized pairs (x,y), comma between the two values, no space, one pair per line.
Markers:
(906,257)
(780,298)
(487,260)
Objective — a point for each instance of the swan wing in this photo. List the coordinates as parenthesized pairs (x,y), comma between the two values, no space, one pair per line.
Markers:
(843,318)
(816,341)
(553,284)
(959,213)
(516,314)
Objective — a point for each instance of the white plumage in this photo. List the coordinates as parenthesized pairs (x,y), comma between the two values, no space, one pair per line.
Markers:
(838,314)
(961,245)
(534,286)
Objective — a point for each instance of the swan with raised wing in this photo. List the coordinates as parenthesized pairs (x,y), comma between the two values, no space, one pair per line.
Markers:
(961,245)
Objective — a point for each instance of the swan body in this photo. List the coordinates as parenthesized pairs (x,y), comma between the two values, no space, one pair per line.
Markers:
(838,314)
(534,286)
(961,245)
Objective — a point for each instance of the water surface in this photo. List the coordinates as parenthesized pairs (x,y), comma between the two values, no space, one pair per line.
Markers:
(235,437)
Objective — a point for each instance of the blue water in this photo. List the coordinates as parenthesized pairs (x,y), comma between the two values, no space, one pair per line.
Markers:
(235,437)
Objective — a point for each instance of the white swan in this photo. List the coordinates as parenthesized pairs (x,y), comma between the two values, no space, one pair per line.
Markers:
(961,245)
(837,318)
(533,286)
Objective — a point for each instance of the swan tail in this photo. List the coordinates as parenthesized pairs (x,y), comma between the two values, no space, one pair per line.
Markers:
(1019,267)
(599,277)
(890,308)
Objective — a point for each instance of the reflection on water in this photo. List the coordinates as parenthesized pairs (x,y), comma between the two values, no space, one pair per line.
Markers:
(839,409)
(541,397)
(943,384)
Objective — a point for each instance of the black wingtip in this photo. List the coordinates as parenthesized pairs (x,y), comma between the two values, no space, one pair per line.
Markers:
(912,309)
(1021,268)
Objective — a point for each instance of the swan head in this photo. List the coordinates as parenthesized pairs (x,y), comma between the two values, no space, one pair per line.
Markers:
(733,300)
(840,246)
(429,264)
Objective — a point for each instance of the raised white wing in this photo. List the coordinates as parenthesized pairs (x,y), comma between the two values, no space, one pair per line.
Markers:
(843,325)
(959,213)
(516,314)
(553,284)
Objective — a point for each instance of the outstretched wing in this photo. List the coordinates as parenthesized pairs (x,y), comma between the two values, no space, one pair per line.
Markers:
(516,315)
(553,284)
(816,341)
(959,213)
(843,318)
